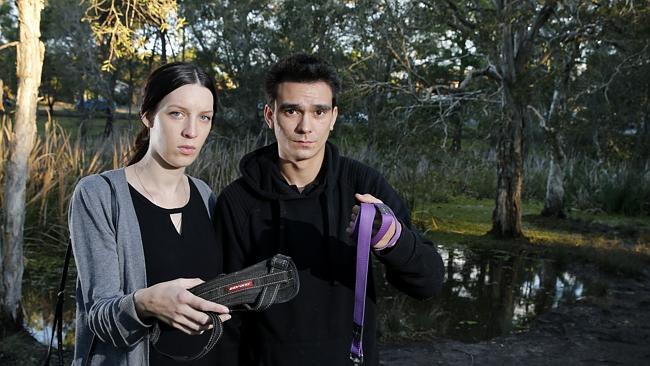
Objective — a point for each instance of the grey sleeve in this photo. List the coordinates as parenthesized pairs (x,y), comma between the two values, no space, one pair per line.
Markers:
(111,312)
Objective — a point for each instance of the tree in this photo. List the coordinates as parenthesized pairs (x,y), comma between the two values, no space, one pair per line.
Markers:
(505,33)
(116,31)
(29,64)
(116,23)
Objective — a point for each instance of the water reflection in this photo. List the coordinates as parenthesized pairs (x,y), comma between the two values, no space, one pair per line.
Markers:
(486,294)
(38,306)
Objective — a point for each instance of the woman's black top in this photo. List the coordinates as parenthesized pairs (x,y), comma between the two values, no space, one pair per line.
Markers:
(169,255)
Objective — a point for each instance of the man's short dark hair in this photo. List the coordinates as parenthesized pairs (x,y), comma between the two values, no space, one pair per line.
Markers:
(301,68)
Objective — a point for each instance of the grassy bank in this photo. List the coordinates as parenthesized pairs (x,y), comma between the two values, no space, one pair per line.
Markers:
(616,243)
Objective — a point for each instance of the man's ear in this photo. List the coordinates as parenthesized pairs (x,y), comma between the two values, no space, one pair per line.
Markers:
(268,116)
(335,113)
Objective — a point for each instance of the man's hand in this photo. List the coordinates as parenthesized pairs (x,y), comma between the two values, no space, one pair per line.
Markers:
(368,198)
(172,303)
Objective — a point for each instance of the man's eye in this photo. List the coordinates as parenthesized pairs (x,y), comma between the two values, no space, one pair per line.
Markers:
(290,111)
(321,112)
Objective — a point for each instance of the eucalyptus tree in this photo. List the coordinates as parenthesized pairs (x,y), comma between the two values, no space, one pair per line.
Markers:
(112,26)
(506,34)
(29,64)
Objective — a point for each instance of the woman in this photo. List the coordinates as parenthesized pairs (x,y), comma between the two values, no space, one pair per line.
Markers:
(138,269)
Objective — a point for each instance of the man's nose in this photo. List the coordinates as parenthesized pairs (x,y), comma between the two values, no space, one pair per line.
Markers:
(305,125)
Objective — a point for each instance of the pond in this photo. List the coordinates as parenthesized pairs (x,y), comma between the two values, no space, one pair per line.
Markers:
(486,294)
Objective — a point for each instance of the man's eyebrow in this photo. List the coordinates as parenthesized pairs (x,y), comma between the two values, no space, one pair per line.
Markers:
(285,106)
(322,107)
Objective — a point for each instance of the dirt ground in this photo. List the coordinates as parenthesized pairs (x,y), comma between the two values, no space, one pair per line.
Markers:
(613,329)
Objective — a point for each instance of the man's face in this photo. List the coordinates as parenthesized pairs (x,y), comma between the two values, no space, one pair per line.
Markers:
(302,117)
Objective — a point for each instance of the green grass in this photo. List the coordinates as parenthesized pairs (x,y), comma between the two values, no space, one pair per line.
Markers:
(616,243)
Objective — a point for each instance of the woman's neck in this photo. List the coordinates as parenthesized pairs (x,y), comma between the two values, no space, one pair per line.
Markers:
(165,186)
(159,177)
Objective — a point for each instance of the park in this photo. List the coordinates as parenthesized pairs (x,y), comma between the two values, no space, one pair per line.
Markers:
(517,133)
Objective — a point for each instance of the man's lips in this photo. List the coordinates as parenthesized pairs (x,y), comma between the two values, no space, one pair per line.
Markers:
(187,149)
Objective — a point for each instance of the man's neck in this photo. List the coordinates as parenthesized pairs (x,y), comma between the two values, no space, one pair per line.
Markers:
(301,173)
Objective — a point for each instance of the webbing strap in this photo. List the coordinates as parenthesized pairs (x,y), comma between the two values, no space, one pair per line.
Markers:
(365,239)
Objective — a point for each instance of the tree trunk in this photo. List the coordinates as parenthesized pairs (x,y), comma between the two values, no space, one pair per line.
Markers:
(554,201)
(457,133)
(29,65)
(108,127)
(50,105)
(110,116)
(506,217)
(163,47)
(2,97)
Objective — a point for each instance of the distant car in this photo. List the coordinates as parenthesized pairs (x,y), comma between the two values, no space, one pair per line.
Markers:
(96,105)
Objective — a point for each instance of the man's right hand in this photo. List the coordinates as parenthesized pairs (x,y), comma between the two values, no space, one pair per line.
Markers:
(172,303)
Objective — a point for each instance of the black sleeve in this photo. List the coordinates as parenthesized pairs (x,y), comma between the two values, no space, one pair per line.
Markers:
(229,347)
(413,265)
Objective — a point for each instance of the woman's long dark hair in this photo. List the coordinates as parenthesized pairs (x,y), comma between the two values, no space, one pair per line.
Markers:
(161,82)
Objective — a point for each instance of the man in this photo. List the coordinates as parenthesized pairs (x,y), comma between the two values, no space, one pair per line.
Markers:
(296,197)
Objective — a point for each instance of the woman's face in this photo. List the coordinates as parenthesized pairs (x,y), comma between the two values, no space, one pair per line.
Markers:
(181,125)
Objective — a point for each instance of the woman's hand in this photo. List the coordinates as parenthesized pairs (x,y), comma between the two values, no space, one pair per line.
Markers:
(172,303)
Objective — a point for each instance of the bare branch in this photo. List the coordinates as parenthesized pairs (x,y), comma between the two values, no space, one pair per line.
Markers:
(524,48)
(10,44)
(489,71)
(542,120)
(464,23)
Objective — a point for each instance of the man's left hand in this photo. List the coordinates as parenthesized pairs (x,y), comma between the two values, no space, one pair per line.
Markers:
(368,198)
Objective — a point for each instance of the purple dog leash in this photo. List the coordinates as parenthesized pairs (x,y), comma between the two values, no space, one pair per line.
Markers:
(365,240)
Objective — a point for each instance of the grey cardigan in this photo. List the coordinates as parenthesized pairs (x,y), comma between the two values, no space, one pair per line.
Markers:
(110,267)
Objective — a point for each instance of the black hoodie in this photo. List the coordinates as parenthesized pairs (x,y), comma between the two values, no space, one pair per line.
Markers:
(260,215)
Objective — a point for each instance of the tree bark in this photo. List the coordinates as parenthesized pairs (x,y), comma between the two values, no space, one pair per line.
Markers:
(553,126)
(554,200)
(29,65)
(515,51)
(163,47)
(457,134)
(506,217)
(2,97)
(50,104)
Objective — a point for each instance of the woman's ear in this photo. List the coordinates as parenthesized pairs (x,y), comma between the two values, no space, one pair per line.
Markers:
(145,121)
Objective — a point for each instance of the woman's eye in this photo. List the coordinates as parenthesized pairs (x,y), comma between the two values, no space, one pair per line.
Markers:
(176,114)
(206,118)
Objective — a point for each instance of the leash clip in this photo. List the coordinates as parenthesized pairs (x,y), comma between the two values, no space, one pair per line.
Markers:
(357,360)
(356,353)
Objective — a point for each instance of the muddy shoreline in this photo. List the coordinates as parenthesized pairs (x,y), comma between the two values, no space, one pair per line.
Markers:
(610,329)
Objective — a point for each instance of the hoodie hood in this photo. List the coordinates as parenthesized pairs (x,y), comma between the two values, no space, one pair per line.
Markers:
(262,174)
